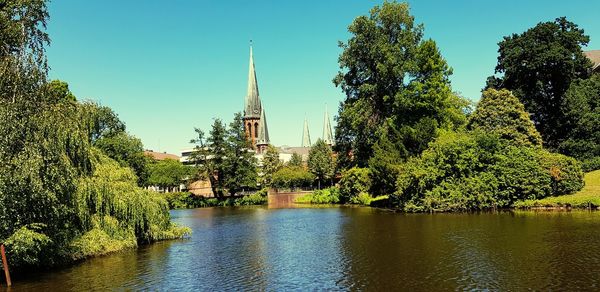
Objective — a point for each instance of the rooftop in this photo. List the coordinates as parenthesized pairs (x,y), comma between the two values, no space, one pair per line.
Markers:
(161,156)
(594,56)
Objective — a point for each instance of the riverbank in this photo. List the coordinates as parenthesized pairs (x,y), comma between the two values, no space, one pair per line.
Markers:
(587,198)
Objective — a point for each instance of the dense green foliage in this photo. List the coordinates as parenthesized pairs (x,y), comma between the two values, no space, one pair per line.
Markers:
(588,197)
(500,112)
(128,151)
(295,160)
(184,200)
(474,171)
(168,173)
(320,162)
(389,73)
(61,199)
(270,164)
(354,182)
(291,177)
(225,158)
(581,109)
(325,196)
(539,65)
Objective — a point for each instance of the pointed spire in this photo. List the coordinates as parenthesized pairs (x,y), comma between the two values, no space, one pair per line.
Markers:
(252,107)
(327,134)
(306,135)
(263,131)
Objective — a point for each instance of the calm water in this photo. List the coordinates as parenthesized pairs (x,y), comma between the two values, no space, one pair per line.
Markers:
(351,249)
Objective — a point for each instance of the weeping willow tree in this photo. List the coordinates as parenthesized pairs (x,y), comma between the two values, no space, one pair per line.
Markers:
(60,198)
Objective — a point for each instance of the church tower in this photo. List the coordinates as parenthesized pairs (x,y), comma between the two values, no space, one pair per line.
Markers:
(253,112)
(255,121)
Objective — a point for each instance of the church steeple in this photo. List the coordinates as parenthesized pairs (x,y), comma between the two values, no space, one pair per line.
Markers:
(263,133)
(253,106)
(327,134)
(306,135)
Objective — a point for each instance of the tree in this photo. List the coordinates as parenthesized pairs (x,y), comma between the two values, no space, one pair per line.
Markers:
(384,166)
(388,72)
(320,161)
(581,108)
(500,112)
(270,164)
(128,151)
(167,173)
(209,155)
(292,177)
(58,91)
(104,122)
(225,157)
(295,160)
(241,165)
(538,66)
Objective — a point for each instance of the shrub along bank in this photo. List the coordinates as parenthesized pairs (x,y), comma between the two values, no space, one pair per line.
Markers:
(588,197)
(185,200)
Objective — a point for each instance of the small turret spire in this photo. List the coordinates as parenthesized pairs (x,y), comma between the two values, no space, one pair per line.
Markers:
(263,131)
(327,134)
(306,135)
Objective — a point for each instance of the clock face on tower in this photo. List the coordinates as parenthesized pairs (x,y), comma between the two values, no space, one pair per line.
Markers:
(255,111)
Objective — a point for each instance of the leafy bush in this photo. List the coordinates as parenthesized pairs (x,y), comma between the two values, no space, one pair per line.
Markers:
(27,246)
(292,177)
(325,196)
(591,164)
(354,181)
(361,198)
(472,171)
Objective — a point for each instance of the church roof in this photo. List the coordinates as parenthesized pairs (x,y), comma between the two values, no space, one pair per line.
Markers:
(263,131)
(327,134)
(252,106)
(306,135)
(594,56)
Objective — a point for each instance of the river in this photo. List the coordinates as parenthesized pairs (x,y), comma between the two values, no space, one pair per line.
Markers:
(346,248)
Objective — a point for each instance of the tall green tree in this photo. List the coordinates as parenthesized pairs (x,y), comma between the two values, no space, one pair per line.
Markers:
(538,66)
(209,155)
(320,162)
(241,164)
(500,112)
(270,164)
(225,157)
(295,160)
(581,108)
(388,72)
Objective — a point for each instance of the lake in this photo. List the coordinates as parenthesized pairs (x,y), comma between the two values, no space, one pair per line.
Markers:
(350,248)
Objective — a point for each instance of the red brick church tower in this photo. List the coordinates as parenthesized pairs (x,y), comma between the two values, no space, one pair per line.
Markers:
(255,122)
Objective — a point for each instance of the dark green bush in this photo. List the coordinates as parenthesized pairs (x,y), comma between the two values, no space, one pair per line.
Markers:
(473,171)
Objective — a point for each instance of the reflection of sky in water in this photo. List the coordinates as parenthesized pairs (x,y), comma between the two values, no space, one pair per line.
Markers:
(255,248)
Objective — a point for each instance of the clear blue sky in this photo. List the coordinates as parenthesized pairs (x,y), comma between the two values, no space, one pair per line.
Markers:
(168,66)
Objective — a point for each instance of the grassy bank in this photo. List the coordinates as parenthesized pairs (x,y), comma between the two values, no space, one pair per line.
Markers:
(588,197)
